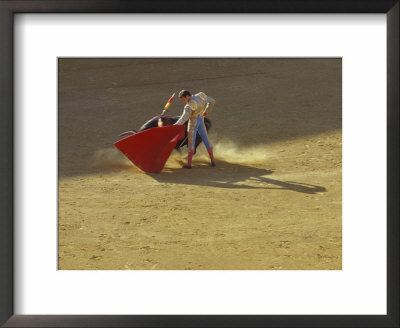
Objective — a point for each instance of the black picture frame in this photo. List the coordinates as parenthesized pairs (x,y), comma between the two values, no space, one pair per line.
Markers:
(10,7)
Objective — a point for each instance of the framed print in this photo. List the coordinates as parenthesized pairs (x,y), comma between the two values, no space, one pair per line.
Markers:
(279,233)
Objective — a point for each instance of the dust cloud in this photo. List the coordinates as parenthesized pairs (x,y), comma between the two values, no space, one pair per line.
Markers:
(224,150)
(109,157)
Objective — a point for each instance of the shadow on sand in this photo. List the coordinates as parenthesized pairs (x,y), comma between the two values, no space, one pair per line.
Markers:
(233,176)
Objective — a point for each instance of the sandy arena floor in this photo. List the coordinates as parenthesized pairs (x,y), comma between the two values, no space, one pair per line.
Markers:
(274,201)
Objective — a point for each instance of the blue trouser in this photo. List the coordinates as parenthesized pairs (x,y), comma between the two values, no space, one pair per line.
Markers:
(202,131)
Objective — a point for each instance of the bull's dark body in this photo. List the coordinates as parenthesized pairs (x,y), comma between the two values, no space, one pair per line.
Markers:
(170,120)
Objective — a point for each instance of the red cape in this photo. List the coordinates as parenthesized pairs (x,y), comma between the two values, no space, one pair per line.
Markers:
(150,149)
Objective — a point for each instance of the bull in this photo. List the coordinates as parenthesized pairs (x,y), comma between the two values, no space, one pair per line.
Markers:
(168,120)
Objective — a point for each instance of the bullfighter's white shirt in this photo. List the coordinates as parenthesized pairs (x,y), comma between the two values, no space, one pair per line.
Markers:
(198,103)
